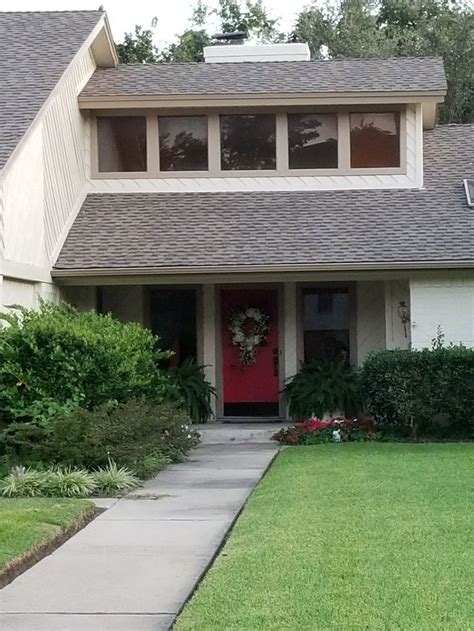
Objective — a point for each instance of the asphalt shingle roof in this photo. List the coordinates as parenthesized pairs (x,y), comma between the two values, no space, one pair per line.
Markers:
(35,50)
(269,77)
(153,230)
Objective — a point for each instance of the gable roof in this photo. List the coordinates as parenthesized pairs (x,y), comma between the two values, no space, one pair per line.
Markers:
(269,77)
(316,229)
(35,50)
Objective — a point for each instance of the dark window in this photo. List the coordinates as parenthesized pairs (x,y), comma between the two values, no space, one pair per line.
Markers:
(375,140)
(326,324)
(312,141)
(248,142)
(173,319)
(122,143)
(183,143)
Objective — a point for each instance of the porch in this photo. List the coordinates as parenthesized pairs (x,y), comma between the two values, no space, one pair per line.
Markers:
(307,319)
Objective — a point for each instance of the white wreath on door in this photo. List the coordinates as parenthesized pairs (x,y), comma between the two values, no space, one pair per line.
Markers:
(249,328)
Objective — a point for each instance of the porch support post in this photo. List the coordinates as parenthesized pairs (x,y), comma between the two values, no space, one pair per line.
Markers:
(290,337)
(209,347)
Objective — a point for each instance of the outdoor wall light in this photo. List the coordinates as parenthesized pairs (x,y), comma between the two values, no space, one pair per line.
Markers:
(404,315)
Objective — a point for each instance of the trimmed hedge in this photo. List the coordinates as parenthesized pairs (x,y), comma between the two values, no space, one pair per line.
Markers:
(421,392)
(56,358)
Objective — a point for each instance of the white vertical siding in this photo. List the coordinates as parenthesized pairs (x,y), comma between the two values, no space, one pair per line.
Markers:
(64,150)
(42,186)
(23,205)
(370,318)
(447,303)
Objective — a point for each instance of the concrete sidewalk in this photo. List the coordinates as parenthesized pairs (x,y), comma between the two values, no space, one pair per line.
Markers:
(133,567)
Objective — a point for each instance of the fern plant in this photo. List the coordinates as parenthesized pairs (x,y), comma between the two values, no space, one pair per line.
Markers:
(193,389)
(323,387)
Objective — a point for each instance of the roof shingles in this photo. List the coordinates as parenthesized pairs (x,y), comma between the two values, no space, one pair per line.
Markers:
(154,230)
(35,50)
(269,77)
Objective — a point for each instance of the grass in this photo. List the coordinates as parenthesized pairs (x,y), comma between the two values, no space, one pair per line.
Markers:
(26,525)
(351,536)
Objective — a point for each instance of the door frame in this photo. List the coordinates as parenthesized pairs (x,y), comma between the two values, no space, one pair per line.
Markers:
(278,287)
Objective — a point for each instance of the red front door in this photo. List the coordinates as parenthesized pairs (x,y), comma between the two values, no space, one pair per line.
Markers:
(252,389)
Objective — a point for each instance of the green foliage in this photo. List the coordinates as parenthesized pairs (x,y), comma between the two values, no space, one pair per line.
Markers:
(323,387)
(138,47)
(128,433)
(425,392)
(369,28)
(56,358)
(112,479)
(193,390)
(23,482)
(230,15)
(68,482)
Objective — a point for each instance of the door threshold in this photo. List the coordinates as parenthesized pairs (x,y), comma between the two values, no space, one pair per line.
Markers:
(250,419)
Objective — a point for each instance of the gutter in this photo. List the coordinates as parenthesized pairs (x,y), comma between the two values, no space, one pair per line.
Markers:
(275,268)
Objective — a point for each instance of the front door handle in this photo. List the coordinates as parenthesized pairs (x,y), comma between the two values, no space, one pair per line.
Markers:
(275,362)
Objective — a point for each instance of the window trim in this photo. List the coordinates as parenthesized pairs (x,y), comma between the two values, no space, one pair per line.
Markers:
(282,158)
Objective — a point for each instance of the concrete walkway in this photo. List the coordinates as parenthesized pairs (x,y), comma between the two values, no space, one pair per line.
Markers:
(134,566)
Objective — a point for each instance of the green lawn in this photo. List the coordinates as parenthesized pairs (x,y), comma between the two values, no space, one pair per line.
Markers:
(26,524)
(352,536)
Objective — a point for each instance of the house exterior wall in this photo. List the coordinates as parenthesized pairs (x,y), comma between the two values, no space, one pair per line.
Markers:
(43,186)
(442,302)
(411,143)
(126,303)
(370,318)
(397,336)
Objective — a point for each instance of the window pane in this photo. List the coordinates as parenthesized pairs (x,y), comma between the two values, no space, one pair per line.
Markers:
(326,324)
(122,143)
(183,143)
(375,140)
(248,142)
(312,141)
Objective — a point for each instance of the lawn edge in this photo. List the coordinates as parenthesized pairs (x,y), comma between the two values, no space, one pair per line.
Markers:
(25,561)
(224,541)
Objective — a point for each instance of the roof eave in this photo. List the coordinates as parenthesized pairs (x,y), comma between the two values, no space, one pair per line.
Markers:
(236,100)
(59,273)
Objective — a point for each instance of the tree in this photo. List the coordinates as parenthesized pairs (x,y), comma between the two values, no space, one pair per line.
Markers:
(232,15)
(369,28)
(138,47)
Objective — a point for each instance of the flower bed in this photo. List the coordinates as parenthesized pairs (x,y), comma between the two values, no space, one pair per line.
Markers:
(314,431)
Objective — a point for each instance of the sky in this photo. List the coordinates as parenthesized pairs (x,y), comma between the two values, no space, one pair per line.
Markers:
(172,15)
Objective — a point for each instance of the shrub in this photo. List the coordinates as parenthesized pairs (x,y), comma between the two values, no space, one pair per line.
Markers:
(193,390)
(23,482)
(68,482)
(421,392)
(113,479)
(314,431)
(56,358)
(323,387)
(129,433)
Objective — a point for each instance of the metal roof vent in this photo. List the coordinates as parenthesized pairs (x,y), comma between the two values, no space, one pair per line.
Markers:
(237,37)
(469,188)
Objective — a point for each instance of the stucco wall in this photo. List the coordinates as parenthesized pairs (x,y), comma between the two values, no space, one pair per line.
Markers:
(396,291)
(125,303)
(447,303)
(370,318)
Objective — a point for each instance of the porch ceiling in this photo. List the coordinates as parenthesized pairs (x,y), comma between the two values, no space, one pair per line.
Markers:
(330,229)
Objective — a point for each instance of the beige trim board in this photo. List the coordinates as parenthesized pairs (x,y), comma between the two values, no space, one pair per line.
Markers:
(221,275)
(24,271)
(239,100)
